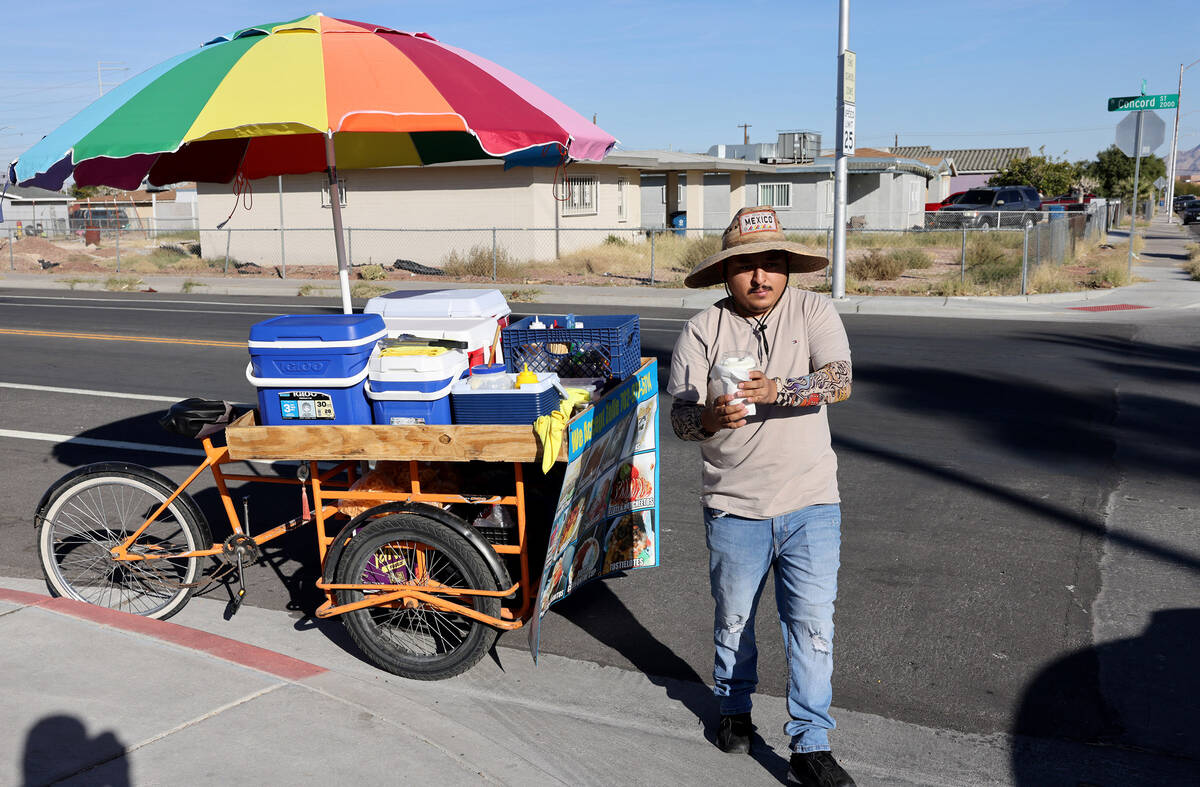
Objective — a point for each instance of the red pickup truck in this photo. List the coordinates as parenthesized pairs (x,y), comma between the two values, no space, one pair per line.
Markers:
(930,207)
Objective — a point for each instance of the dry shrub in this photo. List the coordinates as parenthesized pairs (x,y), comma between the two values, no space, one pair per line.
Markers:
(1050,278)
(478,261)
(912,258)
(371,273)
(876,266)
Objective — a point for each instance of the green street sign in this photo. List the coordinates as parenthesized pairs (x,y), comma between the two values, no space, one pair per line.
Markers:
(1136,103)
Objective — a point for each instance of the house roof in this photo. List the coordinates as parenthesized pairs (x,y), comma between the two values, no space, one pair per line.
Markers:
(131,196)
(674,160)
(33,193)
(868,161)
(968,160)
(912,151)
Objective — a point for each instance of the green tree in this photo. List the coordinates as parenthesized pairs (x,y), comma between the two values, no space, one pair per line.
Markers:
(1045,173)
(84,192)
(1113,170)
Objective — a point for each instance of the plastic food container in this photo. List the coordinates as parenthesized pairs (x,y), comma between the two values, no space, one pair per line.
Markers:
(504,406)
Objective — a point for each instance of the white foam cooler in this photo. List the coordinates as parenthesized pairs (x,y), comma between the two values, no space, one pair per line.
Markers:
(460,311)
(413,389)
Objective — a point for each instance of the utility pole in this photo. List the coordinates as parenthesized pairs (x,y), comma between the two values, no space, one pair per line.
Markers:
(845,147)
(745,127)
(895,143)
(1175,147)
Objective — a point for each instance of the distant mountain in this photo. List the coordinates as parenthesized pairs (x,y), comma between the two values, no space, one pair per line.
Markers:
(1187,162)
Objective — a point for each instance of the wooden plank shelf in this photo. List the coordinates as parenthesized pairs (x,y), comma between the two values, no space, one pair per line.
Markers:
(457,443)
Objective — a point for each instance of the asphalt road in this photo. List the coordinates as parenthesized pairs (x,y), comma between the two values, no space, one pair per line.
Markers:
(979,462)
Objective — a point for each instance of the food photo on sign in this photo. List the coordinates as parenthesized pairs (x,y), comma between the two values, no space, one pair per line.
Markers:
(630,542)
(633,484)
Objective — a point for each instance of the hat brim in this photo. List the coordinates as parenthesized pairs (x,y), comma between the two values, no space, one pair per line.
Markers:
(710,272)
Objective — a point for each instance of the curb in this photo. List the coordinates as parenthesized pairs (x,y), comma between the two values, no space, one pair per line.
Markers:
(223,648)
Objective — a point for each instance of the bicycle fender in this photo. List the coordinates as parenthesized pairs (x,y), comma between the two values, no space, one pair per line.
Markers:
(459,526)
(97,467)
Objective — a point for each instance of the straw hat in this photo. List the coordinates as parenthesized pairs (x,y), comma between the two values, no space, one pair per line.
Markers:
(753,230)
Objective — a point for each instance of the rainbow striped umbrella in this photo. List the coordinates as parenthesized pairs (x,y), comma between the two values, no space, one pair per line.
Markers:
(303,96)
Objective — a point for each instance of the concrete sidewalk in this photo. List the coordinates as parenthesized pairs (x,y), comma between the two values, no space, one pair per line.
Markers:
(101,697)
(1166,288)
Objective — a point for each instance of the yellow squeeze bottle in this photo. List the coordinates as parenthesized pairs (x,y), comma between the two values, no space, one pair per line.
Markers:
(526,377)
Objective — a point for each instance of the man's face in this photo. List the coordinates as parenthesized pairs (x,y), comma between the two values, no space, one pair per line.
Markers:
(756,281)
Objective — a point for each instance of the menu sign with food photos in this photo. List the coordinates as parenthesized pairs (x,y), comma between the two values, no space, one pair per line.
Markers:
(606,520)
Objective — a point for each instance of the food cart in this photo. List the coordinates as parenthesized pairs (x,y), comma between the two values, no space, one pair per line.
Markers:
(423,591)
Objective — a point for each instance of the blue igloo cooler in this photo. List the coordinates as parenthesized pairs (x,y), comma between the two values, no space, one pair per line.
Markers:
(309,369)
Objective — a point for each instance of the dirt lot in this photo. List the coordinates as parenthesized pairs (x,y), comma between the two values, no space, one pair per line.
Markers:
(906,265)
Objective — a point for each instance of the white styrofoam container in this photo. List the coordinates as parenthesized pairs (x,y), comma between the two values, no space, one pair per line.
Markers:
(478,333)
(440,303)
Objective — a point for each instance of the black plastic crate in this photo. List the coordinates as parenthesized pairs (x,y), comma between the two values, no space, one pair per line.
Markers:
(607,346)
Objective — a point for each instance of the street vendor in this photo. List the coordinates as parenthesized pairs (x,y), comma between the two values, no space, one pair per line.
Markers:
(750,377)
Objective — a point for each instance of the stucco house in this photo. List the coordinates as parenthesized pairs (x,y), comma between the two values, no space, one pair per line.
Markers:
(883,191)
(426,214)
(33,208)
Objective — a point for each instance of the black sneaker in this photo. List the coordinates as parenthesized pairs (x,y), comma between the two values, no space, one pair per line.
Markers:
(818,769)
(733,736)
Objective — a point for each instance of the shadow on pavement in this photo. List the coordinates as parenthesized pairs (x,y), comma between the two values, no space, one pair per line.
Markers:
(1151,703)
(58,747)
(602,614)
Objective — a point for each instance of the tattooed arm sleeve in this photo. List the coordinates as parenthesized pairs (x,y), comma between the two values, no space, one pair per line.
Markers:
(685,420)
(829,384)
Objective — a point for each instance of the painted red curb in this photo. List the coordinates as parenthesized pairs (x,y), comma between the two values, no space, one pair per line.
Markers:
(224,648)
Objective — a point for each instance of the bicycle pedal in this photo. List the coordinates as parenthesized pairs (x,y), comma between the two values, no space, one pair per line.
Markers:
(236,602)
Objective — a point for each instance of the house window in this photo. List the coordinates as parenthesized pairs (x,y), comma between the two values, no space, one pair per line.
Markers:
(325,203)
(678,194)
(621,213)
(580,196)
(777,195)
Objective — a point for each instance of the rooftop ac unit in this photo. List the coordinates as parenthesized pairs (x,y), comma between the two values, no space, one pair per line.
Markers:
(801,146)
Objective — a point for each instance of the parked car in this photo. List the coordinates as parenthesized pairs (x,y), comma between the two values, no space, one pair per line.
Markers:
(931,207)
(1191,211)
(1183,201)
(993,206)
(88,218)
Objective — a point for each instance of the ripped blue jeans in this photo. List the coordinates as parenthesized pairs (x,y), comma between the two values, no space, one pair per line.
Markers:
(803,547)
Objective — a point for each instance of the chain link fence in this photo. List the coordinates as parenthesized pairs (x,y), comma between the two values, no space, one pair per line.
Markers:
(1003,257)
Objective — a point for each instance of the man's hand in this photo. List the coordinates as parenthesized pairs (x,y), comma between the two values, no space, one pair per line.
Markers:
(759,389)
(723,415)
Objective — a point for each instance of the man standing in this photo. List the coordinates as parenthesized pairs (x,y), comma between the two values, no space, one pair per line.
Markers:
(770,490)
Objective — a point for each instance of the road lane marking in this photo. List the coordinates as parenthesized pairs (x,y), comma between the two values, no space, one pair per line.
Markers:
(127,308)
(88,392)
(66,439)
(156,300)
(116,338)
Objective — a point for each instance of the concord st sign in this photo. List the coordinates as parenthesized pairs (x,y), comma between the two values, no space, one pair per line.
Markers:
(1136,103)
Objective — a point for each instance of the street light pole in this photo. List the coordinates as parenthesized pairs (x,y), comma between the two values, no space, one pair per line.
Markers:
(837,287)
(1175,147)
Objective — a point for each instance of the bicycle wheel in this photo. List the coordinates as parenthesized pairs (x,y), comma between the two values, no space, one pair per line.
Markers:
(414,639)
(93,509)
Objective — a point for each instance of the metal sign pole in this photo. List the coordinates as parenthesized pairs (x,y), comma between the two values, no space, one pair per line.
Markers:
(1137,168)
(838,285)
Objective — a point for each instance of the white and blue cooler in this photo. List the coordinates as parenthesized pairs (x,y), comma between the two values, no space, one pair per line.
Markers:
(310,369)
(413,388)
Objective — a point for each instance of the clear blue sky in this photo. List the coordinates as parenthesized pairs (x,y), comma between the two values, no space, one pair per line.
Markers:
(685,74)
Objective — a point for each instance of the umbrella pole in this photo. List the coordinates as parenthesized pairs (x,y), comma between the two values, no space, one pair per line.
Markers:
(339,241)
